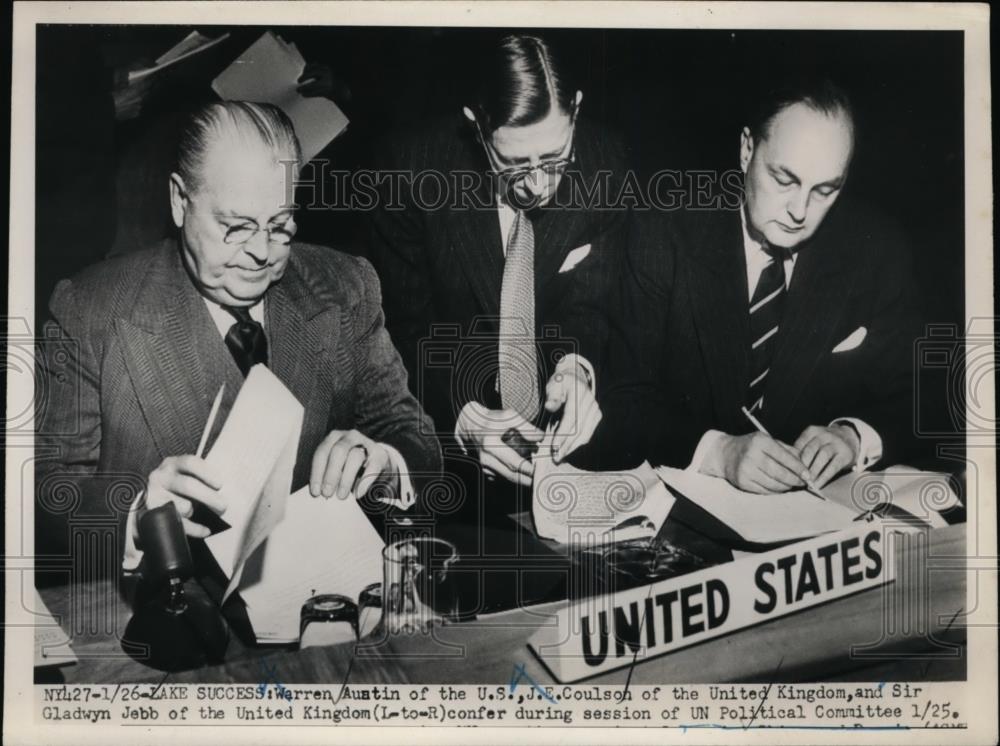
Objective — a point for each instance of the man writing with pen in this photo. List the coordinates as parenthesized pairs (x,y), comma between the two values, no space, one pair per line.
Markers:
(770,343)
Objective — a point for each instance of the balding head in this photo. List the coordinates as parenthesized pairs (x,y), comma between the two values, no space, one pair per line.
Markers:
(242,125)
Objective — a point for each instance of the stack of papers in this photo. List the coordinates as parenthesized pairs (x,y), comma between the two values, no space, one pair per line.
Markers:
(798,514)
(268,72)
(281,549)
(759,518)
(320,546)
(255,453)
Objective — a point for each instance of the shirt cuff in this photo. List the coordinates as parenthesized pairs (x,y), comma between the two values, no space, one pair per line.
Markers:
(572,359)
(458,427)
(133,555)
(406,497)
(869,442)
(706,446)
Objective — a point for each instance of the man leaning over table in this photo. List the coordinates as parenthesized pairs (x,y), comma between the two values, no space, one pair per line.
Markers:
(798,306)
(155,333)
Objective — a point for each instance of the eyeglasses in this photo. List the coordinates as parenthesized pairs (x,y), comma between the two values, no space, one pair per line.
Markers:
(244,232)
(517,174)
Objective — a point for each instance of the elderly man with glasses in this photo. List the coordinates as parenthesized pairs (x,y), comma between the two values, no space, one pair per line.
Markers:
(146,340)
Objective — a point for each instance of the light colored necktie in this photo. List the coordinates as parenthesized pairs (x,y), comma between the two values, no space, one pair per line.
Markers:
(518,357)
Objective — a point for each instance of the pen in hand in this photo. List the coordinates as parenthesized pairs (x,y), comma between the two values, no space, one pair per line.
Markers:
(213,413)
(810,484)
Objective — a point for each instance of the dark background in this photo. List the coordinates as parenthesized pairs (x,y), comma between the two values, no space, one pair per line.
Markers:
(676,97)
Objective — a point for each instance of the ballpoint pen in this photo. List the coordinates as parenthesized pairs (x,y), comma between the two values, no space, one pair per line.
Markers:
(810,484)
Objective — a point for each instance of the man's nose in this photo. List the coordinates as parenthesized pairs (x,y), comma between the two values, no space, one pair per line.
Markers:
(256,247)
(535,183)
(797,206)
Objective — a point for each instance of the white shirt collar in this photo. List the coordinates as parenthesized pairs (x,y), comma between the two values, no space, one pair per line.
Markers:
(757,259)
(224,320)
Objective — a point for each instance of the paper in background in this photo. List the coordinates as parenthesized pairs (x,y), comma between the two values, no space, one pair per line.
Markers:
(255,453)
(191,45)
(268,72)
(574,506)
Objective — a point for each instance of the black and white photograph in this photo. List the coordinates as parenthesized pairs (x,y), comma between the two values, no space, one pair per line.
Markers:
(513,365)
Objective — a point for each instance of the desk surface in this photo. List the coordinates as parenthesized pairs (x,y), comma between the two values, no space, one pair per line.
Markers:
(812,645)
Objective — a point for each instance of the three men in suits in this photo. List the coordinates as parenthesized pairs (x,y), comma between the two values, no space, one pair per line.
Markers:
(151,336)
(497,296)
(798,306)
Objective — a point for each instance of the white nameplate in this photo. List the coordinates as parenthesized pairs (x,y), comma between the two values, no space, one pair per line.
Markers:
(607,632)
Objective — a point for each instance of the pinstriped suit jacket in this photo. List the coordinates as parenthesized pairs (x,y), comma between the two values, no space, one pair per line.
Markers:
(134,361)
(442,265)
(683,336)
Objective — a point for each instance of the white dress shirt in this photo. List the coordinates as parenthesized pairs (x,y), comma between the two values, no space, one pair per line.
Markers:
(870,443)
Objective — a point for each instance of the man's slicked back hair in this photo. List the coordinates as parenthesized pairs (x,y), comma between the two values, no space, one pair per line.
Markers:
(520,80)
(819,93)
(263,124)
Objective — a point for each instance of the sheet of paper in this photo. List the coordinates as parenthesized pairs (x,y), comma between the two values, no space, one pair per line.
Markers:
(922,494)
(763,519)
(255,452)
(320,546)
(52,647)
(269,71)
(192,44)
(575,506)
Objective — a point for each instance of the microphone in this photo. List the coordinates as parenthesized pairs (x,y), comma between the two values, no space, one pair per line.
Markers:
(177,627)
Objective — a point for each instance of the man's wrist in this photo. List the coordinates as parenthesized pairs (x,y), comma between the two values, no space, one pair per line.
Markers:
(709,456)
(850,434)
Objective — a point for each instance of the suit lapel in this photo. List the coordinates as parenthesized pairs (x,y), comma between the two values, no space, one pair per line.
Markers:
(174,355)
(816,300)
(718,294)
(296,335)
(475,233)
(557,230)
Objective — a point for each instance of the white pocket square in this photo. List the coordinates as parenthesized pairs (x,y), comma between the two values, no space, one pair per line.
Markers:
(574,257)
(854,339)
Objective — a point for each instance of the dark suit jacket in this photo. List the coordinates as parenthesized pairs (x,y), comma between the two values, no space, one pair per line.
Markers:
(442,268)
(682,360)
(134,362)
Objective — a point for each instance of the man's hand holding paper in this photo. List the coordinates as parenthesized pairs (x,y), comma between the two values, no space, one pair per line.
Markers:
(185,480)
(348,463)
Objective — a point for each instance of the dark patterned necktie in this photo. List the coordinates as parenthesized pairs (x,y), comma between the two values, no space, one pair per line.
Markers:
(766,308)
(517,355)
(245,339)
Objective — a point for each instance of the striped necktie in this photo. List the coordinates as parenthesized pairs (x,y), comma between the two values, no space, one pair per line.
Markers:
(517,356)
(246,339)
(765,317)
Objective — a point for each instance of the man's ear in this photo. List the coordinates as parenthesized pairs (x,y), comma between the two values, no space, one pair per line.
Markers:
(178,199)
(576,103)
(746,149)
